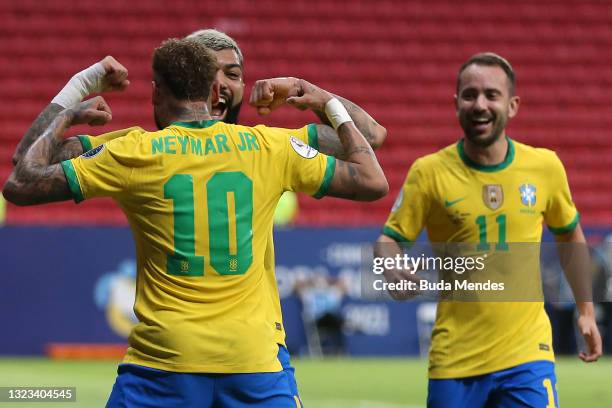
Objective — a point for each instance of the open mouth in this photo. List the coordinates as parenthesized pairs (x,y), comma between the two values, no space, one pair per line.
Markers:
(220,108)
(481,124)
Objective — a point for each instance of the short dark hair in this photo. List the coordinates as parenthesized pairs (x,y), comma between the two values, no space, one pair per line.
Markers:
(186,67)
(490,59)
(218,41)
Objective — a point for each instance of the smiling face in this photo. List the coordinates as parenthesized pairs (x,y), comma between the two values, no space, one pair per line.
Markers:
(231,83)
(484,103)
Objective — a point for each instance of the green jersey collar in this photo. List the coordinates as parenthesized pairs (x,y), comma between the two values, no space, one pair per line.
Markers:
(196,124)
(485,167)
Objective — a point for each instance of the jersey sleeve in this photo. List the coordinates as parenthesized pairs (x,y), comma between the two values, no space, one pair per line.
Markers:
(560,214)
(88,142)
(105,170)
(310,135)
(409,212)
(307,134)
(305,169)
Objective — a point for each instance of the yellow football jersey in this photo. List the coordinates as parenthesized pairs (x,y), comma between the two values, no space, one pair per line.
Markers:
(308,134)
(200,198)
(88,142)
(458,200)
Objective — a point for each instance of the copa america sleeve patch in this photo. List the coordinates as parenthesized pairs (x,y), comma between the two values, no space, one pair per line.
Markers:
(93,152)
(301,148)
(398,201)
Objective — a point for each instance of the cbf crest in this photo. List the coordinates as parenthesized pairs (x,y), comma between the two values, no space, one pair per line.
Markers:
(493,196)
(528,194)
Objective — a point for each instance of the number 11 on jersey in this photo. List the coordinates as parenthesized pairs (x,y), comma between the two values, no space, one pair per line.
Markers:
(483,244)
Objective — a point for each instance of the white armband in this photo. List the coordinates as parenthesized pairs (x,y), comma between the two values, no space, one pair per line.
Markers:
(336,113)
(85,83)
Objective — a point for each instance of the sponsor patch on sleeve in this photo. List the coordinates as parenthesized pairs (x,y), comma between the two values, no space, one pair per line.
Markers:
(93,152)
(301,148)
(398,201)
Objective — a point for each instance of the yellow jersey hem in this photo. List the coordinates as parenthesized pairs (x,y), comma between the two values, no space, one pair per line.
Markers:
(442,374)
(205,368)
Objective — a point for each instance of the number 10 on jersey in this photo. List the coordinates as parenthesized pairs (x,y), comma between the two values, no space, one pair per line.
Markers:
(230,243)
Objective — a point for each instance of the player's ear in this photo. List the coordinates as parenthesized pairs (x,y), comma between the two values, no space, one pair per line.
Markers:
(514,106)
(155,93)
(456,105)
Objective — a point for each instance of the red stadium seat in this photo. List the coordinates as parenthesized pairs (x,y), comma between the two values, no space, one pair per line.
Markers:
(397,59)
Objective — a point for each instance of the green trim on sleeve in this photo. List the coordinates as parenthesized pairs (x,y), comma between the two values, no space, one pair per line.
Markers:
(85,143)
(391,233)
(73,181)
(568,228)
(313,136)
(327,178)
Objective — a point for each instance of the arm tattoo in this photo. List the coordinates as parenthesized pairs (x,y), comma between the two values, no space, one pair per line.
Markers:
(322,117)
(42,184)
(347,177)
(360,149)
(36,129)
(68,149)
(329,142)
(35,180)
(363,121)
(352,171)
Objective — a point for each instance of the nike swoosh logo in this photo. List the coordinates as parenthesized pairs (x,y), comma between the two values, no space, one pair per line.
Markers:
(451,203)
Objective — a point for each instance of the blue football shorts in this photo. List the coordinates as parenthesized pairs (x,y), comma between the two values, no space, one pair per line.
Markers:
(138,386)
(532,385)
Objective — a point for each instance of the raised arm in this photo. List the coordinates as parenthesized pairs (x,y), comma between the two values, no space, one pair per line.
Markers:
(374,133)
(105,75)
(359,177)
(68,148)
(269,94)
(35,179)
(42,121)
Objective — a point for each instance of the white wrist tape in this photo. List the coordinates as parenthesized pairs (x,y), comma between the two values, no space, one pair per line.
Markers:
(86,82)
(336,113)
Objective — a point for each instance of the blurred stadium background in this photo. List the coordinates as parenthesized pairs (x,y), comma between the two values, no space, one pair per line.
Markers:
(66,269)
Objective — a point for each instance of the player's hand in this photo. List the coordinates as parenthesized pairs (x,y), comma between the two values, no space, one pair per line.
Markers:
(94,112)
(309,96)
(115,77)
(269,94)
(588,328)
(398,275)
